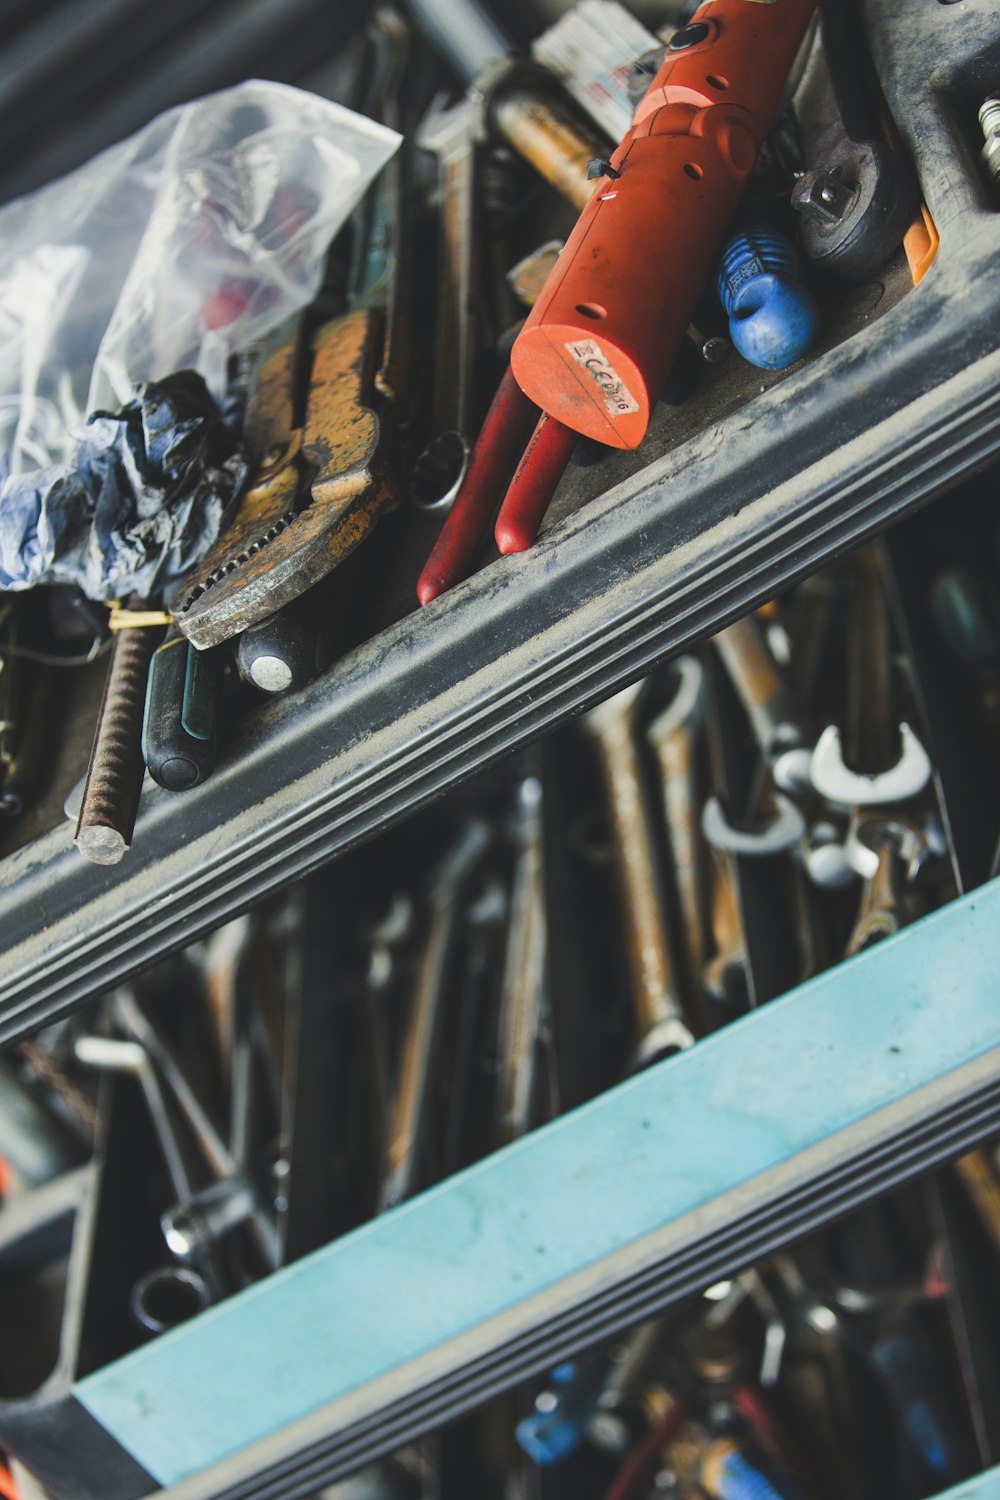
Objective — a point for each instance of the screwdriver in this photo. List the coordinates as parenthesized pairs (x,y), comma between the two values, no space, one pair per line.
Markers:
(180,722)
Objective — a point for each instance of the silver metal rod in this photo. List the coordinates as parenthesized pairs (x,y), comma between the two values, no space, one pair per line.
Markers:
(463,32)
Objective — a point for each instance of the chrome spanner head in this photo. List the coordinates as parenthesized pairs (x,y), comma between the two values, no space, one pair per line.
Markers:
(837,783)
(785,831)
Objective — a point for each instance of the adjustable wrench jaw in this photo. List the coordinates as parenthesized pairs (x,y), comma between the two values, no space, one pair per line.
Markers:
(317,492)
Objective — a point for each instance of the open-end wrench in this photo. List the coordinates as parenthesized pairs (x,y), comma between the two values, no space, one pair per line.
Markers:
(523,993)
(778,834)
(385,938)
(661,1025)
(756,830)
(782,734)
(377,277)
(185,1289)
(452,135)
(887,848)
(190,1222)
(877,761)
(674,735)
(113,1055)
(728,964)
(408,1122)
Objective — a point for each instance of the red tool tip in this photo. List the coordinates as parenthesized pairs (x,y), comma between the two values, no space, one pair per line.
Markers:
(430,585)
(533,485)
(514,537)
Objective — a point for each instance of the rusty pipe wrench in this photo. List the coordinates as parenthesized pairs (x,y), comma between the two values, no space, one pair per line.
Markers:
(319,430)
(876,760)
(319,483)
(407,1124)
(661,1025)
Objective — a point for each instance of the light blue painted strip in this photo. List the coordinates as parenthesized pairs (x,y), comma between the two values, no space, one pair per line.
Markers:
(983,1487)
(856,1039)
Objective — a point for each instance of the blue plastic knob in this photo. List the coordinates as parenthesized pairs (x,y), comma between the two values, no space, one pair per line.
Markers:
(556,1431)
(773,316)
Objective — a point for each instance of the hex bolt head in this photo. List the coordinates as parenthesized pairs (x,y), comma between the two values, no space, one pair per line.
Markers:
(822,196)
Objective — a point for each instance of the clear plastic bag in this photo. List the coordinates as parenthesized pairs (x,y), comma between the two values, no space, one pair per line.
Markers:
(174,248)
(170,251)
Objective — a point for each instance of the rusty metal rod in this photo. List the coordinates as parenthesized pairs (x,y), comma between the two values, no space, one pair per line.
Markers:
(114,776)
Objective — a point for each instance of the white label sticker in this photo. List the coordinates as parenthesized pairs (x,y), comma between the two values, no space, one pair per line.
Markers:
(614,392)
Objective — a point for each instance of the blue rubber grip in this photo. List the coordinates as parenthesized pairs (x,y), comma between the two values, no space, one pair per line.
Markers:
(773,317)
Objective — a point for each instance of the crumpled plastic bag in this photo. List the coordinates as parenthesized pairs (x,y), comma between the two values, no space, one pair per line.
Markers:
(143,496)
(172,250)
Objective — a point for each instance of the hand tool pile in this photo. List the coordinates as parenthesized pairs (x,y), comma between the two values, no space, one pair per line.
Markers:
(375,408)
(691,848)
(618,242)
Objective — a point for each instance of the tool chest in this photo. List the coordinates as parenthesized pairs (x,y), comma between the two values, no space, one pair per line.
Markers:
(395,1284)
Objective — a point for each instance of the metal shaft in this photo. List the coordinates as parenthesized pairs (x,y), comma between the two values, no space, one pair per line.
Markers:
(776,725)
(407,1126)
(522,997)
(871,741)
(550,139)
(376,278)
(879,913)
(660,1019)
(114,777)
(888,848)
(673,737)
(441,466)
(464,31)
(730,956)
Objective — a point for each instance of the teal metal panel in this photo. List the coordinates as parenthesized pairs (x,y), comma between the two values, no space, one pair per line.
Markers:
(838,1051)
(983,1487)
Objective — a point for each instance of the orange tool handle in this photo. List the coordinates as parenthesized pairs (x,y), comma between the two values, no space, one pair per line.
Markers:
(599,343)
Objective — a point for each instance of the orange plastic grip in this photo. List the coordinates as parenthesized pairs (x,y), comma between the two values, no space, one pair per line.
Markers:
(599,343)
